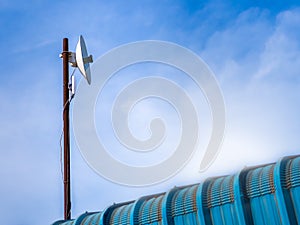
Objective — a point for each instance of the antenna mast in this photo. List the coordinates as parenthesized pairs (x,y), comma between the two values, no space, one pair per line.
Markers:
(66,130)
(82,61)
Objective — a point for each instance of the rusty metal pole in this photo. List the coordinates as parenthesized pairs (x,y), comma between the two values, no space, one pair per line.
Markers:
(66,126)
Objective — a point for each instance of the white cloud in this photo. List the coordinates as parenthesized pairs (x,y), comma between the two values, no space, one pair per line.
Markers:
(257,61)
(281,55)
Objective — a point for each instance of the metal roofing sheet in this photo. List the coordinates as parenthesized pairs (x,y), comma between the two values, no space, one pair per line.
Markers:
(268,194)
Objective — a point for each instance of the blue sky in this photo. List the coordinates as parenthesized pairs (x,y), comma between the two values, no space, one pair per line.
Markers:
(253,47)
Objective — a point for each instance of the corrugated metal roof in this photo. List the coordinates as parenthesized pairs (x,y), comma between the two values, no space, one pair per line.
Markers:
(267,194)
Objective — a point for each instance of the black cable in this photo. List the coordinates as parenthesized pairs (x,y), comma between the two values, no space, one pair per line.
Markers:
(62,132)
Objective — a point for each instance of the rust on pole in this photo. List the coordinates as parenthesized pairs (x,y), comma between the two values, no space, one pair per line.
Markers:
(66,126)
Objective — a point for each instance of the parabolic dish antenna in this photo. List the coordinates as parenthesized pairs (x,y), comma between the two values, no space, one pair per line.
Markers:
(83,60)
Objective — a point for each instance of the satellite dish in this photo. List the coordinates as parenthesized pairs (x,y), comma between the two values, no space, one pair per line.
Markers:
(83,60)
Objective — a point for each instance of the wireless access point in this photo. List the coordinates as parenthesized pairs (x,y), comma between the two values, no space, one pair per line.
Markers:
(81,59)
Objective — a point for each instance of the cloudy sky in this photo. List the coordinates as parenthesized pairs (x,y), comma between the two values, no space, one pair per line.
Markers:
(253,48)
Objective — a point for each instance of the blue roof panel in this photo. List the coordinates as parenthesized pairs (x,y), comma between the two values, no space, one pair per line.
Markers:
(267,194)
